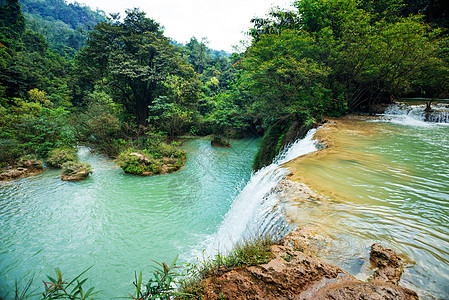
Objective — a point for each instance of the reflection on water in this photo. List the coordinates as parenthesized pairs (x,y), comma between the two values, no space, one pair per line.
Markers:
(115,222)
(381,182)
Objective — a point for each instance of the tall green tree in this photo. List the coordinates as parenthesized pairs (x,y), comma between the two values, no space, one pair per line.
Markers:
(133,59)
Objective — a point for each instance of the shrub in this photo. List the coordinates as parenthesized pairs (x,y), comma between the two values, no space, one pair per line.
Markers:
(218,141)
(171,151)
(159,287)
(138,162)
(58,156)
(144,162)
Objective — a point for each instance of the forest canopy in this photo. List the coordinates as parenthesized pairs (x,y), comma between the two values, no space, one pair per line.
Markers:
(70,75)
(344,55)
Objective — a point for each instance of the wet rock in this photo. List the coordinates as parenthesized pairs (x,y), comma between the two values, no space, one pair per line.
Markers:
(388,264)
(23,168)
(363,290)
(78,176)
(11,174)
(293,274)
(32,163)
(75,171)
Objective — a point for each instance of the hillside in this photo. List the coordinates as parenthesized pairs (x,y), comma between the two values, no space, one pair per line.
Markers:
(63,24)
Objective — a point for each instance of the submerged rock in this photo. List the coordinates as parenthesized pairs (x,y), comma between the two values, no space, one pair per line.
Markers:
(294,274)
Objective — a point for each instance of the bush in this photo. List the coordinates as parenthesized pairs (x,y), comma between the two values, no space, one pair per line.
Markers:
(158,159)
(218,141)
(58,156)
(158,287)
(171,151)
(139,162)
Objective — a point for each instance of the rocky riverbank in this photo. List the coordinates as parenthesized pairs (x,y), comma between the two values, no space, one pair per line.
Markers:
(295,273)
(24,168)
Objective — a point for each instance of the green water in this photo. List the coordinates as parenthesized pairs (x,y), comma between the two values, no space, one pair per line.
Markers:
(116,222)
(388,183)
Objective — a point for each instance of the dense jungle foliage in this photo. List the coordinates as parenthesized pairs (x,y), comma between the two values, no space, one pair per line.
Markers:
(70,75)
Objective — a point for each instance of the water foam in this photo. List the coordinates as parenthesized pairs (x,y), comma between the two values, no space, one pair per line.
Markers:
(253,211)
(414,115)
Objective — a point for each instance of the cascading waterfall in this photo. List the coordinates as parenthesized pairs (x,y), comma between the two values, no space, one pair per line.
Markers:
(254,211)
(439,117)
(412,114)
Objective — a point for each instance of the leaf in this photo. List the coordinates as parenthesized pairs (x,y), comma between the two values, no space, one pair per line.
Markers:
(139,284)
(82,273)
(89,291)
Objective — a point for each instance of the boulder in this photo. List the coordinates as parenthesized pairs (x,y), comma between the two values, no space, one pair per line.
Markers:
(24,168)
(75,171)
(78,176)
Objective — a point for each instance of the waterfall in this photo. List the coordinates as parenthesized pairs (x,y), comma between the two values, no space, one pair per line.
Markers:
(254,211)
(438,117)
(415,114)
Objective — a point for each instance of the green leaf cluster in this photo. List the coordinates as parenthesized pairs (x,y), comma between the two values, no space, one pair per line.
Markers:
(136,64)
(328,57)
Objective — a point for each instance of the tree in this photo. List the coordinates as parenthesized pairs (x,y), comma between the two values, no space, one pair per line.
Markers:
(436,12)
(12,23)
(134,59)
(198,54)
(363,51)
(284,77)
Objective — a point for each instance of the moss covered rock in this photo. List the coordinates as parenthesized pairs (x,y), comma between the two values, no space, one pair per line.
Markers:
(75,171)
(141,162)
(278,136)
(27,165)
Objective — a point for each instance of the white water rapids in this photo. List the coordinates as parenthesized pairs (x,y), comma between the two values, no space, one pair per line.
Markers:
(415,115)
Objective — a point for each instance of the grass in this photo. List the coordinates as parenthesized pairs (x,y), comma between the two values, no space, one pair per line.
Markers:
(250,252)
